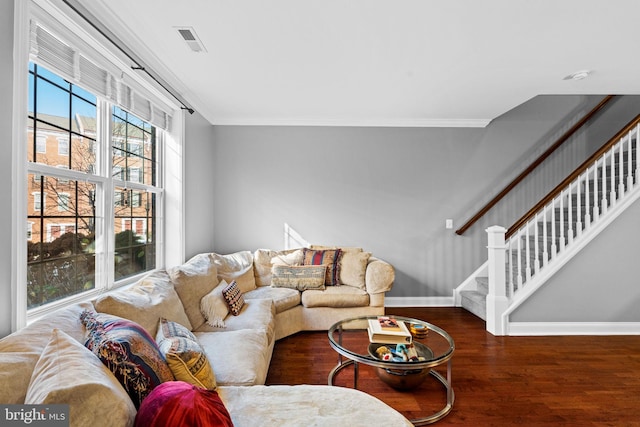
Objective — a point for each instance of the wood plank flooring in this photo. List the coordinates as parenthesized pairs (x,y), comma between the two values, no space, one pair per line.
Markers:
(498,381)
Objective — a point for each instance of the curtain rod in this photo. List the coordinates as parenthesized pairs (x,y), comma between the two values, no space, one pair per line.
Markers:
(139,64)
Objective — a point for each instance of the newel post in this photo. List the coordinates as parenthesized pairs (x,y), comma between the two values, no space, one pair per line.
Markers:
(497,302)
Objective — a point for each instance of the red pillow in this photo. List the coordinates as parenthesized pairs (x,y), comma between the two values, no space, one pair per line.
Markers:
(177,403)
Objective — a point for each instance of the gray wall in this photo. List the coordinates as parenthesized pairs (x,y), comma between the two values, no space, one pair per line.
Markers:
(388,190)
(199,177)
(600,284)
(6,176)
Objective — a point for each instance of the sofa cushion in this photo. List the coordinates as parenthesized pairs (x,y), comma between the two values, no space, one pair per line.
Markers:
(68,373)
(238,357)
(15,374)
(328,257)
(237,266)
(306,405)
(336,296)
(353,267)
(214,307)
(128,351)
(379,276)
(283,298)
(146,302)
(292,258)
(36,336)
(262,264)
(258,314)
(233,296)
(185,357)
(193,280)
(300,277)
(177,403)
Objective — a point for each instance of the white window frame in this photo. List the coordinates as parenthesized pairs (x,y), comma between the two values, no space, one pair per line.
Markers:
(170,248)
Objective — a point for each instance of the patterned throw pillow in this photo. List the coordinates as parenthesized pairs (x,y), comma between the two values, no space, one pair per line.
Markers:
(128,351)
(234,298)
(176,403)
(328,257)
(184,355)
(300,277)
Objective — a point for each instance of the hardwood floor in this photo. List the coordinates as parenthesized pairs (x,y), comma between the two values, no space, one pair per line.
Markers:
(530,381)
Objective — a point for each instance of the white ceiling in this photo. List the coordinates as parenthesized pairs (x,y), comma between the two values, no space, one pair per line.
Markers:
(379,62)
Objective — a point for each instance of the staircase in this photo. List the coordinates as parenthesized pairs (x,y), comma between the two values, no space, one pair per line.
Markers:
(574,210)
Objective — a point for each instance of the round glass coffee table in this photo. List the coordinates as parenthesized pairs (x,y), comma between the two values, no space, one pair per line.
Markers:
(349,338)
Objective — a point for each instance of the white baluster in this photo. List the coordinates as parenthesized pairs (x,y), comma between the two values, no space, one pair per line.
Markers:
(605,202)
(637,174)
(511,271)
(612,175)
(629,163)
(545,252)
(519,258)
(536,248)
(561,233)
(554,248)
(579,206)
(587,215)
(527,270)
(620,146)
(570,219)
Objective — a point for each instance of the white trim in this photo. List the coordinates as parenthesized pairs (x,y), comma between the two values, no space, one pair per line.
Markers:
(19,169)
(470,283)
(419,302)
(314,121)
(171,221)
(573,328)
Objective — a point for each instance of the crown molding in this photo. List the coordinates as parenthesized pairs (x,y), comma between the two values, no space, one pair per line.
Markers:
(317,121)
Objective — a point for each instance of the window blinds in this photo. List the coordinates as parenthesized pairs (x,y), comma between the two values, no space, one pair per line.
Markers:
(60,57)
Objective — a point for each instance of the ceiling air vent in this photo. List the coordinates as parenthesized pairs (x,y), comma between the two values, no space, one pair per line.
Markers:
(188,34)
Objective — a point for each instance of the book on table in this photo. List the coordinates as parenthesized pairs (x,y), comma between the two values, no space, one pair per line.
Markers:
(378,334)
(388,323)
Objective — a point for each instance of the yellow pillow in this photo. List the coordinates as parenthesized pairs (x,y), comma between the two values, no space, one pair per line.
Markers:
(185,357)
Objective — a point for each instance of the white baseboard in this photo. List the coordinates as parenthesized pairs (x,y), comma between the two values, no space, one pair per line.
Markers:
(573,328)
(419,302)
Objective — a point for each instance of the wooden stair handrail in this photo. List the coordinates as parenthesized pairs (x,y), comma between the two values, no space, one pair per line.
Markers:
(575,174)
(534,165)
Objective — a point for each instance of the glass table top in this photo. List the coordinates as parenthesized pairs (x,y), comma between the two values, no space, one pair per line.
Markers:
(350,339)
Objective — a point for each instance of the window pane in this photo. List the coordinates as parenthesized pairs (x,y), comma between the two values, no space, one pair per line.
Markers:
(134,232)
(60,239)
(54,138)
(134,147)
(83,154)
(52,104)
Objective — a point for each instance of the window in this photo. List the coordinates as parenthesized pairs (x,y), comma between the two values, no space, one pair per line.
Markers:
(75,80)
(63,202)
(41,144)
(38,201)
(64,240)
(63,146)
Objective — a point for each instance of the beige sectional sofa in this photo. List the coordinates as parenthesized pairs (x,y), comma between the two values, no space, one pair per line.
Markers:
(238,348)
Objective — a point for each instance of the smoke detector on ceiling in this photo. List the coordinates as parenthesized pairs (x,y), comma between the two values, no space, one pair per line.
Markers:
(190,37)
